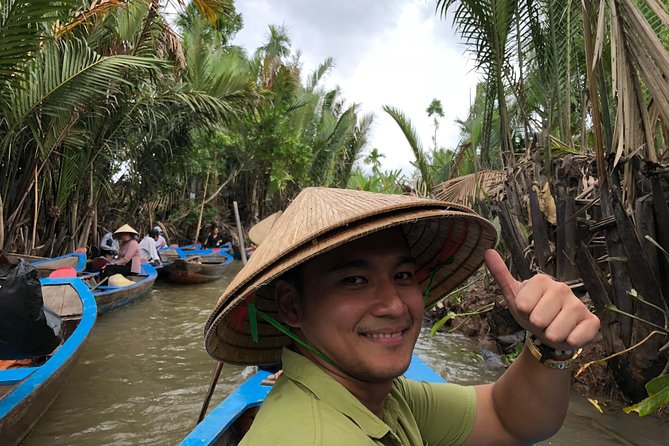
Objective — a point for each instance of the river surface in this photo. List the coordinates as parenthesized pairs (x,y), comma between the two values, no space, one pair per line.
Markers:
(144,374)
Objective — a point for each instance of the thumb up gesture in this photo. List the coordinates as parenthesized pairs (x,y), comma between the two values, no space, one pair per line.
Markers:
(546,308)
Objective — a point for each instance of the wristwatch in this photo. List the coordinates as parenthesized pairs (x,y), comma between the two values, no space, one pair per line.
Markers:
(549,356)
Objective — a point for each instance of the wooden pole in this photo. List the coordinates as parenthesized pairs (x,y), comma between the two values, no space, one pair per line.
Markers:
(102,282)
(210,392)
(35,214)
(204,197)
(242,248)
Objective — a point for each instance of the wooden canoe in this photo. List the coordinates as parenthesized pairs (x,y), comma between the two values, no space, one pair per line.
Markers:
(220,426)
(197,269)
(111,297)
(76,260)
(26,393)
(171,253)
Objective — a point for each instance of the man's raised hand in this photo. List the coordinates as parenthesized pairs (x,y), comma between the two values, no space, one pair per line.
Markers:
(546,308)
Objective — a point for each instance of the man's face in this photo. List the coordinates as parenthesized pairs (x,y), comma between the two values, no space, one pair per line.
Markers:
(362,307)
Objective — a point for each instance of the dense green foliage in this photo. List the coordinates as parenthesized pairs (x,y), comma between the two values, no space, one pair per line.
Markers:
(110,114)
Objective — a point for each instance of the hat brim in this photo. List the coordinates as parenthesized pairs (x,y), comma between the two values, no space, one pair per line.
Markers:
(448,247)
(126,229)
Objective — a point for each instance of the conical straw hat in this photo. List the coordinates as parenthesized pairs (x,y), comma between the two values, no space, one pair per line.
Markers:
(259,232)
(447,240)
(126,228)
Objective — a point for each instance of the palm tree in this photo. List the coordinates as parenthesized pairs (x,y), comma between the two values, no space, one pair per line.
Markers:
(435,111)
(486,25)
(374,159)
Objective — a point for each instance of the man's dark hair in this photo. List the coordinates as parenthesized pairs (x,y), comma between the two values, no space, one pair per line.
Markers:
(295,276)
(153,233)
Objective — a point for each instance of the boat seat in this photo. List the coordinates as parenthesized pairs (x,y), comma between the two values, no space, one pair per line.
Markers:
(63,300)
(14,376)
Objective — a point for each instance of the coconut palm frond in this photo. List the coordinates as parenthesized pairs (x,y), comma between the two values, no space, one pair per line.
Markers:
(23,25)
(319,72)
(638,54)
(85,16)
(422,160)
(334,132)
(212,8)
(67,76)
(469,188)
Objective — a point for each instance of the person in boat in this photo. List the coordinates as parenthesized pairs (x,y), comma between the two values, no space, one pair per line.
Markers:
(160,241)
(215,238)
(147,247)
(108,246)
(337,293)
(128,261)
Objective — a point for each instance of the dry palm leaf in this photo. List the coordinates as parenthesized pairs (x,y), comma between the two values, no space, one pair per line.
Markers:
(173,44)
(468,188)
(546,202)
(96,8)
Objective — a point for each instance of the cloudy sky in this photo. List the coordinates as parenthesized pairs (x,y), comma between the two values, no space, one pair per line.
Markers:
(386,52)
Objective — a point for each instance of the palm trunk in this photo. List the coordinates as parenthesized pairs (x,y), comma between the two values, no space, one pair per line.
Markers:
(2,224)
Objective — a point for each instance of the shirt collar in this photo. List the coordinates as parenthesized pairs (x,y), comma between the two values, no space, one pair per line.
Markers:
(303,371)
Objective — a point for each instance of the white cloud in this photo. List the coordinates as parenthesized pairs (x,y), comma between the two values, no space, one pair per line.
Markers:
(396,53)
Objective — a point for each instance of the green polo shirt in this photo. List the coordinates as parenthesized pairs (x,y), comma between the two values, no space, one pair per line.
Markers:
(307,407)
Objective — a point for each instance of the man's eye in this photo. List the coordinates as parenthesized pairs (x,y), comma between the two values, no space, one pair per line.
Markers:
(405,275)
(354,280)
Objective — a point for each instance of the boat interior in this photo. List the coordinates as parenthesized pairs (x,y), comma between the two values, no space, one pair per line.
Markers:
(233,436)
(63,300)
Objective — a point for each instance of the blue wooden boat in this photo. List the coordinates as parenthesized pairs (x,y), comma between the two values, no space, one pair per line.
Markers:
(109,297)
(218,427)
(27,392)
(171,253)
(76,260)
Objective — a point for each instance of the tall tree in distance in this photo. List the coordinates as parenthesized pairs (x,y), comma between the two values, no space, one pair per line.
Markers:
(435,111)
(374,159)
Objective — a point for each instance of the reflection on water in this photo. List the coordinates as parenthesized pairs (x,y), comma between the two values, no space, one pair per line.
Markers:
(144,374)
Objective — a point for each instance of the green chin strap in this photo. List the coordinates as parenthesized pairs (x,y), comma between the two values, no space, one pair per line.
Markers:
(254,312)
(428,288)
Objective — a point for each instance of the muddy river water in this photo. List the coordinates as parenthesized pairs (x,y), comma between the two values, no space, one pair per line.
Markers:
(144,373)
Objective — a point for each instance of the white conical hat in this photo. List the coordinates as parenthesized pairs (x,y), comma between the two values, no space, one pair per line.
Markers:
(447,240)
(126,228)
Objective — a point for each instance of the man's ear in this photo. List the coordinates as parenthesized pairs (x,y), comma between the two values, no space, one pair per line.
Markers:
(287,301)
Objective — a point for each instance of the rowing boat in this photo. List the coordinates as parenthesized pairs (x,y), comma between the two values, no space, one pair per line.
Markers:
(109,297)
(198,269)
(223,424)
(171,253)
(27,392)
(45,266)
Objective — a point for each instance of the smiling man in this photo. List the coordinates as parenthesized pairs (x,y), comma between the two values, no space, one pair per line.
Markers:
(337,292)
